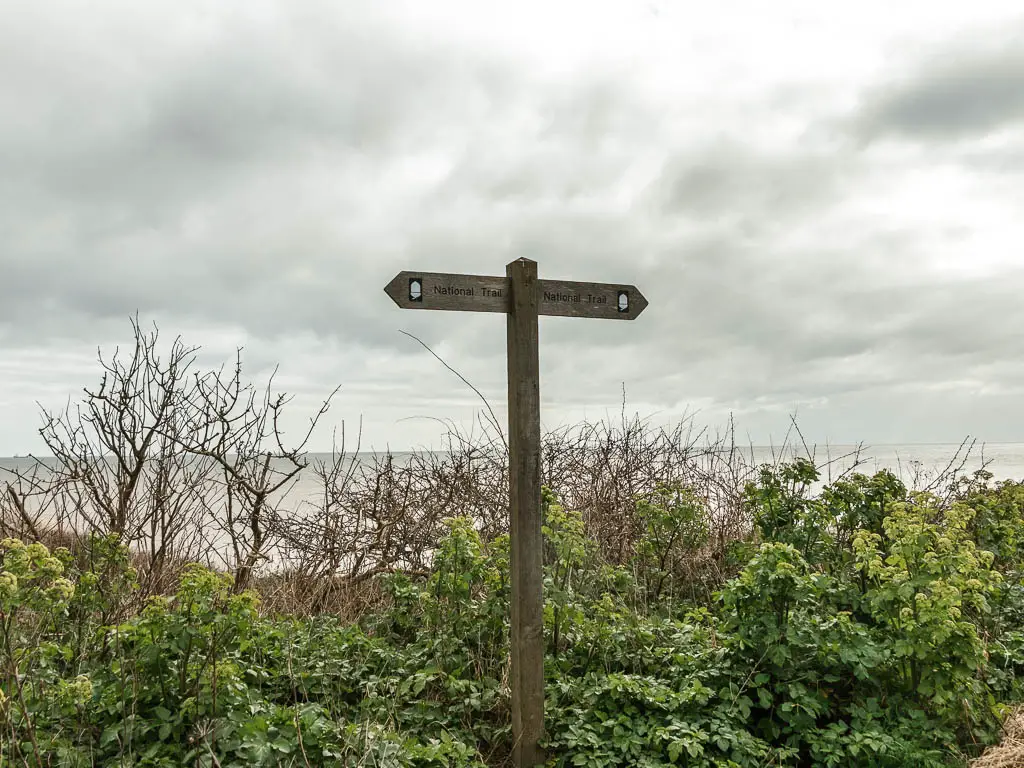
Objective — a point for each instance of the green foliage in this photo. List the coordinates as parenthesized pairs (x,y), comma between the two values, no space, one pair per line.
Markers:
(784,510)
(859,503)
(929,588)
(865,627)
(998,522)
(675,528)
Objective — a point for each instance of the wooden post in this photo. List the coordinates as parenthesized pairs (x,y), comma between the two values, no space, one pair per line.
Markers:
(522,297)
(527,562)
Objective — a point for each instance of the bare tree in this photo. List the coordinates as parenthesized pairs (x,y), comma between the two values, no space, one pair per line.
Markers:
(27,501)
(119,468)
(184,465)
(238,428)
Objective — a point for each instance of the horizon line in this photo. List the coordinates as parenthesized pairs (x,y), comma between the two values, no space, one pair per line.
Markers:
(739,446)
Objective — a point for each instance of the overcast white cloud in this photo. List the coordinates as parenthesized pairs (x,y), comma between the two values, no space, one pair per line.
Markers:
(823,204)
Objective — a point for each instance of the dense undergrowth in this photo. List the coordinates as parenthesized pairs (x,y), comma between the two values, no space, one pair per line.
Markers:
(863,625)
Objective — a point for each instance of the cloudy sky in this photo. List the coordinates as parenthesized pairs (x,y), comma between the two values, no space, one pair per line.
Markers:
(823,203)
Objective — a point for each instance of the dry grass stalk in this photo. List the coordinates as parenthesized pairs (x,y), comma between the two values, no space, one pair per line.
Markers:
(1009,753)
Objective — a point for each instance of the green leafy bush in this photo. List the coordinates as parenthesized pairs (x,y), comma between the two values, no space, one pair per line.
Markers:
(865,626)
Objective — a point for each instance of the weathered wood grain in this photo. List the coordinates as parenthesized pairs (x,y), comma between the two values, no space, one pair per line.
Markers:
(523,297)
(440,290)
(526,562)
(568,298)
(480,293)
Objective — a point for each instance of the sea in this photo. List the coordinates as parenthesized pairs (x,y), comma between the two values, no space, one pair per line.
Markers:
(909,460)
(916,463)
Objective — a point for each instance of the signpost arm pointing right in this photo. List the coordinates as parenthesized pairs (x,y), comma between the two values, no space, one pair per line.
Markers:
(526,561)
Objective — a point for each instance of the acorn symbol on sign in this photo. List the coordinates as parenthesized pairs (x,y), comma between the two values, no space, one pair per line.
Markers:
(623,301)
(415,289)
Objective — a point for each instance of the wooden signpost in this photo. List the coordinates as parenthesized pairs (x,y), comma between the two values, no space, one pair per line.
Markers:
(477,293)
(522,297)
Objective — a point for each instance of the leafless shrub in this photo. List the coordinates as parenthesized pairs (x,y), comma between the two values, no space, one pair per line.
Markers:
(27,501)
(118,468)
(382,513)
(603,468)
(173,463)
(237,429)
(183,465)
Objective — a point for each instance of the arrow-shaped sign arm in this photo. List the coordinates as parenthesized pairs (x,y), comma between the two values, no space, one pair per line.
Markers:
(439,290)
(480,293)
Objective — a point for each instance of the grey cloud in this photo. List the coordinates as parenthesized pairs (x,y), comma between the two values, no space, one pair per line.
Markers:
(747,316)
(1003,160)
(732,325)
(229,119)
(158,195)
(271,177)
(959,92)
(728,179)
